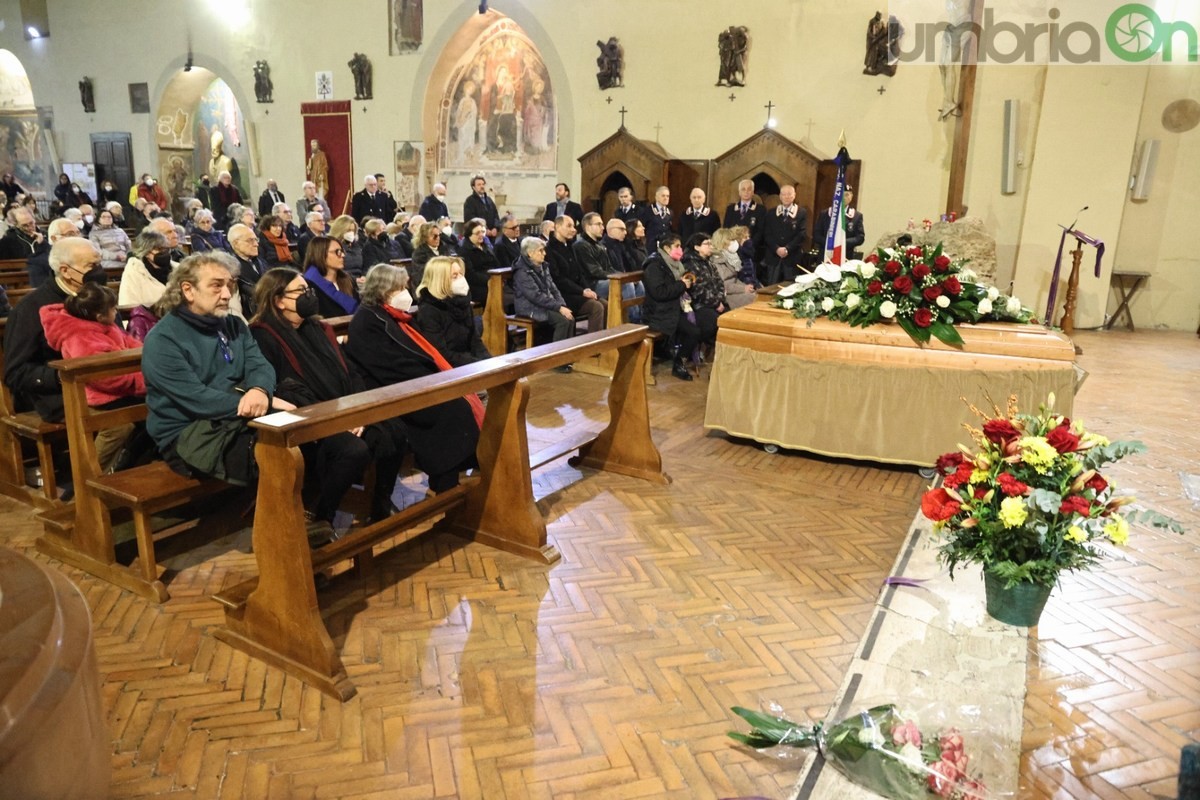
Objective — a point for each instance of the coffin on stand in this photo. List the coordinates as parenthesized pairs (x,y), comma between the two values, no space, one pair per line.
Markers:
(873,393)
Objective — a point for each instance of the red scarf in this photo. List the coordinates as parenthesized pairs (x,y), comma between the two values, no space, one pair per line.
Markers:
(282,251)
(403,318)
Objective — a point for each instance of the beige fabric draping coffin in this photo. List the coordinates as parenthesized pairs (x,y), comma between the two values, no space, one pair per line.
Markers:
(873,393)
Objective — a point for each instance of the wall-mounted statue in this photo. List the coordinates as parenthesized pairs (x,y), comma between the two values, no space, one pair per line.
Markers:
(263,88)
(360,67)
(611,64)
(86,95)
(733,44)
(883,42)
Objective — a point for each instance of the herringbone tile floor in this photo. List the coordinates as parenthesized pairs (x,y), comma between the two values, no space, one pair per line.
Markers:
(610,675)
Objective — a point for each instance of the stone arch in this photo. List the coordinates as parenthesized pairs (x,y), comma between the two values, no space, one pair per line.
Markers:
(186,104)
(520,188)
(607,198)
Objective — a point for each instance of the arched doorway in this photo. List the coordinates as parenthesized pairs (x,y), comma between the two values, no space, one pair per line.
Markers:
(766,188)
(608,193)
(199,129)
(26,144)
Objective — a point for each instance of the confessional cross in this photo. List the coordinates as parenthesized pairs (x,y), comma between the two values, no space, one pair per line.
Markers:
(657,130)
(809,125)
(623,113)
(770,105)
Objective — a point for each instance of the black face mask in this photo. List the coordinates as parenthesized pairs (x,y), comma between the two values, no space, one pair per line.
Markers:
(96,275)
(307,305)
(205,183)
(162,260)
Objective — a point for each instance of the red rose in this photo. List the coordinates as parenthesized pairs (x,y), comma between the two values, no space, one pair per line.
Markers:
(915,252)
(942,778)
(1096,483)
(932,293)
(960,476)
(980,492)
(1010,485)
(872,259)
(948,462)
(1075,504)
(999,430)
(892,267)
(952,286)
(903,284)
(941,263)
(920,271)
(922,317)
(938,505)
(874,287)
(1063,439)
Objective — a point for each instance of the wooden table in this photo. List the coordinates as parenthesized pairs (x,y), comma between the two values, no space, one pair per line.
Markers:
(873,393)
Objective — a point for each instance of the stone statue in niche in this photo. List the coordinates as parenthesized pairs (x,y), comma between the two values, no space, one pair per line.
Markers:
(360,67)
(317,169)
(733,44)
(610,64)
(883,38)
(218,161)
(263,88)
(86,95)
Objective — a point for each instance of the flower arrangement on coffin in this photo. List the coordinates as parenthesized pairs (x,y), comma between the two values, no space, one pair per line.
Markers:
(881,749)
(1029,503)
(920,288)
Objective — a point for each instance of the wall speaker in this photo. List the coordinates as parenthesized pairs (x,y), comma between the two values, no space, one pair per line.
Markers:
(1144,177)
(1008,156)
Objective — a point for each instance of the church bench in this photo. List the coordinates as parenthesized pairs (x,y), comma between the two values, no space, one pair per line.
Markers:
(81,533)
(45,435)
(497,325)
(276,615)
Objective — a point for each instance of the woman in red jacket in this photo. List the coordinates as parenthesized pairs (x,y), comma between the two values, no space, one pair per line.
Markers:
(84,325)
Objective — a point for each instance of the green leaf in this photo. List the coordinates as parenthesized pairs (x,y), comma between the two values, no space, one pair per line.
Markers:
(1045,500)
(946,332)
(919,335)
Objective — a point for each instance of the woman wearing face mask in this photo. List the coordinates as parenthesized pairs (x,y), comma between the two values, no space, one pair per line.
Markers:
(479,259)
(445,317)
(728,263)
(345,230)
(108,193)
(113,242)
(667,284)
(429,244)
(376,246)
(78,197)
(205,235)
(337,294)
(450,243)
(63,190)
(387,348)
(310,368)
(145,276)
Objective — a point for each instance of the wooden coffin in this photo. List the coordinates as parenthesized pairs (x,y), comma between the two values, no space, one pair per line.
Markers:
(873,393)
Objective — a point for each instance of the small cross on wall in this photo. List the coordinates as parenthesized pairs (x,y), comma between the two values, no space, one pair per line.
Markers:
(881,90)
(608,100)
(732,97)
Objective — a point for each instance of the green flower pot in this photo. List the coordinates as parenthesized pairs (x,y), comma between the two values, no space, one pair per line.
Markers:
(1021,605)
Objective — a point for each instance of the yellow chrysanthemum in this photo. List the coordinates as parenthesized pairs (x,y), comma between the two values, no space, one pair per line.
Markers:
(1117,530)
(1013,512)
(1038,453)
(1093,440)
(978,476)
(1076,534)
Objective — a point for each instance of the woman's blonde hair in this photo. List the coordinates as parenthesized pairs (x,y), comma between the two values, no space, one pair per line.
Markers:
(341,225)
(424,231)
(741,232)
(721,238)
(438,275)
(372,226)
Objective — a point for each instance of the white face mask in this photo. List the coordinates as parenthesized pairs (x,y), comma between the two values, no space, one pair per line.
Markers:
(460,287)
(89,218)
(78,223)
(440,197)
(402,300)
(448,230)
(732,247)
(149,181)
(350,236)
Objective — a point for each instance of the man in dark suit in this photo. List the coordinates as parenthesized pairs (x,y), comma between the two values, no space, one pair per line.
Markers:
(657,219)
(268,199)
(389,205)
(368,202)
(697,217)
(626,210)
(479,205)
(787,228)
(855,235)
(508,243)
(434,206)
(750,215)
(563,205)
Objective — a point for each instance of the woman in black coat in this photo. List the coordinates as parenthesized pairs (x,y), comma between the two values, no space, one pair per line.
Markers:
(427,244)
(667,283)
(310,368)
(386,348)
(479,259)
(444,314)
(376,246)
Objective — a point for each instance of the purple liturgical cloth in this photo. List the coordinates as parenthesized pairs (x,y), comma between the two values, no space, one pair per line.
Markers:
(1083,238)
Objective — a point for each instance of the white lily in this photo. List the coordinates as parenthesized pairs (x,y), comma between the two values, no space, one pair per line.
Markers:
(830,273)
(789,290)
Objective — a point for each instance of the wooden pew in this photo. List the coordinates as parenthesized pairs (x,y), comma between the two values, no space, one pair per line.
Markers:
(496,323)
(276,616)
(44,435)
(81,533)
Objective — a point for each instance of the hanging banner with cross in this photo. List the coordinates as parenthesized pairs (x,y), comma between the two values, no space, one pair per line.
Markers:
(835,240)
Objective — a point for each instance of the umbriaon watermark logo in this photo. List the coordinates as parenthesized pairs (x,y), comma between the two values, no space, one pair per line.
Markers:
(1067,32)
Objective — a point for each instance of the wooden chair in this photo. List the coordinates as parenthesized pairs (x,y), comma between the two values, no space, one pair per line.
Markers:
(276,617)
(45,436)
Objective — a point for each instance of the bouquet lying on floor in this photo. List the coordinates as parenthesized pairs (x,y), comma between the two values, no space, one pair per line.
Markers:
(881,749)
